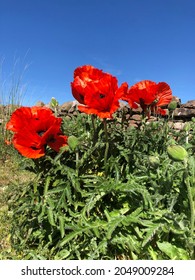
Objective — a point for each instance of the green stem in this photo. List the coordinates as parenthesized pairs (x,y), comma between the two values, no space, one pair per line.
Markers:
(187,137)
(94,128)
(107,143)
(191,202)
(77,163)
(190,197)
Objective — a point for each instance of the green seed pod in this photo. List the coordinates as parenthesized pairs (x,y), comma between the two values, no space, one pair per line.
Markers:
(177,152)
(172,105)
(54,103)
(186,126)
(154,161)
(73,142)
(193,119)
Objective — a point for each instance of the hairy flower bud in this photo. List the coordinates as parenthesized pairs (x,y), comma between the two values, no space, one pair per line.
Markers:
(177,152)
(172,105)
(73,142)
(154,161)
(54,103)
(186,127)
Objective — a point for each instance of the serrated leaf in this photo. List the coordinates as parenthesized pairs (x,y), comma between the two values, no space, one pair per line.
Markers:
(151,231)
(46,186)
(50,216)
(173,252)
(61,255)
(41,215)
(61,226)
(69,237)
(112,225)
(56,190)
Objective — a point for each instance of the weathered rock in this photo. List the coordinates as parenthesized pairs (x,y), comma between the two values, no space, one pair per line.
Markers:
(40,104)
(136,117)
(133,123)
(190,104)
(152,119)
(67,106)
(177,99)
(184,113)
(178,125)
(137,111)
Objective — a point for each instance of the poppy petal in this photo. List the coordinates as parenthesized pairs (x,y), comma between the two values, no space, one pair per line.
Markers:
(19,119)
(28,145)
(164,94)
(57,142)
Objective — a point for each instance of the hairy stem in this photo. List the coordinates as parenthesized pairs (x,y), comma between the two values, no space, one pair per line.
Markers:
(94,128)
(191,204)
(107,143)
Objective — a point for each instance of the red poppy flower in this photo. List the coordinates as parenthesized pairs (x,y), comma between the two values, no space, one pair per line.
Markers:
(163,94)
(98,90)
(149,95)
(52,135)
(142,93)
(35,128)
(82,77)
(27,116)
(32,145)
(28,144)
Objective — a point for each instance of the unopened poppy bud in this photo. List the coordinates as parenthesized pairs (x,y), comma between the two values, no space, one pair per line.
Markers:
(193,119)
(172,105)
(177,152)
(186,126)
(154,161)
(54,103)
(73,142)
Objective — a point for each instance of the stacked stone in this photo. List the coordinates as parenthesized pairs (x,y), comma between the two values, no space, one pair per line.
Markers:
(182,114)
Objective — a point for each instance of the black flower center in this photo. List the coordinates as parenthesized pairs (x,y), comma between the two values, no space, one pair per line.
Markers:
(102,95)
(41,132)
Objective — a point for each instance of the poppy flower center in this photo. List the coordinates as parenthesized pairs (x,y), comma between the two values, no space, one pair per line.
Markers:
(102,95)
(142,102)
(51,139)
(34,148)
(41,132)
(81,98)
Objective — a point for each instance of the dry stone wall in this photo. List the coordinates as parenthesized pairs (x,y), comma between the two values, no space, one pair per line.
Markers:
(182,114)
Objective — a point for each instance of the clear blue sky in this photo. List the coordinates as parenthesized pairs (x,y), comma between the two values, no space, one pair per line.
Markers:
(132,39)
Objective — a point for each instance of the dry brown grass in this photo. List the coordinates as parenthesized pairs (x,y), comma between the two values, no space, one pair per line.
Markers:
(11,177)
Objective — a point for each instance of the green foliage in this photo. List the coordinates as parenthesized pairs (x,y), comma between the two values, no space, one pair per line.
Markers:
(113,194)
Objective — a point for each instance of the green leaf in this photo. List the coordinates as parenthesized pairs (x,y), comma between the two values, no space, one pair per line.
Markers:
(61,226)
(50,216)
(151,231)
(172,251)
(46,186)
(112,225)
(62,255)
(69,237)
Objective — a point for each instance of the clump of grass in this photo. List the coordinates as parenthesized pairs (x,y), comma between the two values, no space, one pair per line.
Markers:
(12,92)
(12,178)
